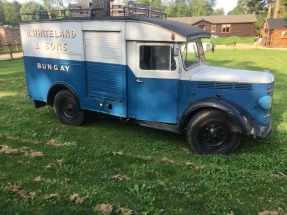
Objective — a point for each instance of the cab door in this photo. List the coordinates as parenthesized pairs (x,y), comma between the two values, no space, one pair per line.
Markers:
(157,83)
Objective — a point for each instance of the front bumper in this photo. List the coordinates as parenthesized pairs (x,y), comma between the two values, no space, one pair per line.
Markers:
(261,131)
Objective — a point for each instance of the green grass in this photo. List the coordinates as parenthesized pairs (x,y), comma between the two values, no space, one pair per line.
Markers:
(50,168)
(229,40)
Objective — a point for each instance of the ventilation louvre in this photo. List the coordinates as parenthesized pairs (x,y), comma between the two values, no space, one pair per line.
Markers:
(224,86)
(243,86)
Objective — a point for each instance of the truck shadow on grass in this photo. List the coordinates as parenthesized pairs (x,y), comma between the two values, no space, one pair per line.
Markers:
(131,128)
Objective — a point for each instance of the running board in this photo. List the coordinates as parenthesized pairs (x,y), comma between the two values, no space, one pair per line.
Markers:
(160,126)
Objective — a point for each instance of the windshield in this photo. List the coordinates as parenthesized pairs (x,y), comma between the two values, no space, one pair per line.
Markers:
(191,53)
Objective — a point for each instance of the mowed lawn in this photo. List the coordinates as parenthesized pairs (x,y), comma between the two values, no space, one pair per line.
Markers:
(107,166)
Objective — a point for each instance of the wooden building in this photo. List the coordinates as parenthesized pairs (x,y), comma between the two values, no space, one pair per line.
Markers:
(273,33)
(9,35)
(223,25)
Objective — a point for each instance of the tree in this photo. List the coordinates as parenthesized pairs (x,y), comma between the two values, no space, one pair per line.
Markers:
(154,3)
(277,8)
(249,6)
(32,8)
(178,8)
(48,4)
(82,1)
(11,13)
(283,12)
(218,11)
(241,8)
(200,7)
(269,14)
(256,6)
(1,12)
(181,8)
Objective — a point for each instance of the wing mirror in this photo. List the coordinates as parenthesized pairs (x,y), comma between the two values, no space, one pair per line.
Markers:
(176,50)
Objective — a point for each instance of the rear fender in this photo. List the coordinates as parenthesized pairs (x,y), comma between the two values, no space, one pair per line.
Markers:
(57,87)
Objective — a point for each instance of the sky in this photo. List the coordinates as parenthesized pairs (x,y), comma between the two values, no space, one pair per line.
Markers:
(227,5)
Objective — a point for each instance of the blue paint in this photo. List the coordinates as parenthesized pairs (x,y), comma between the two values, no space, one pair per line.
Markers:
(161,100)
(156,100)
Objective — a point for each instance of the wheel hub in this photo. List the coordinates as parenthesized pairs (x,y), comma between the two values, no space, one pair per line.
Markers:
(214,135)
(69,109)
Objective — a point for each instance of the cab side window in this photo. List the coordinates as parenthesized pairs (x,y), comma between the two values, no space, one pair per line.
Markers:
(190,55)
(156,58)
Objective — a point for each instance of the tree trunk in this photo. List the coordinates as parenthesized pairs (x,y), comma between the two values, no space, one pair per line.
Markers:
(269,10)
(277,8)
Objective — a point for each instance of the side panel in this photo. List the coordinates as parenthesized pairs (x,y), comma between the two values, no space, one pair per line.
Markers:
(103,65)
(91,63)
(106,71)
(53,53)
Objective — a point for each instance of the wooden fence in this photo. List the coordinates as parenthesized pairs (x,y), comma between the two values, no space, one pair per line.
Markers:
(10,49)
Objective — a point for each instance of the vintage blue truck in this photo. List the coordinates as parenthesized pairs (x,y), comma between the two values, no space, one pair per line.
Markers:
(149,69)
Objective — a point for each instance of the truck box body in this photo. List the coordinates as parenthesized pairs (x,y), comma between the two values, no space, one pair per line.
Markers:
(96,58)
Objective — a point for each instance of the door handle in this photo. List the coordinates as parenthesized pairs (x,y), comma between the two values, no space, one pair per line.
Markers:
(139,81)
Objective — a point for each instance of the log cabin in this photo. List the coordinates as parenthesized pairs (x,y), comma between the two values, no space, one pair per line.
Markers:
(273,33)
(223,25)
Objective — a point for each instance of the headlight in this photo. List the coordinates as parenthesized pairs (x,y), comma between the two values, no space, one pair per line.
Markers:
(265,102)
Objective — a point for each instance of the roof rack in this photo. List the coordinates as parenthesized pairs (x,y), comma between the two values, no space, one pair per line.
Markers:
(97,8)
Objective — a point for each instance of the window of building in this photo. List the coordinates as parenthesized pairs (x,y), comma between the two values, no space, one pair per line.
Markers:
(202,27)
(226,28)
(213,28)
(156,58)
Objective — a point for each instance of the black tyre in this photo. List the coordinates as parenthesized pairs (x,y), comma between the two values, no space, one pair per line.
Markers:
(213,132)
(67,108)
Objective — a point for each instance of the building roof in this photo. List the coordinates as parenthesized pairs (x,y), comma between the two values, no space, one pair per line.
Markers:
(276,23)
(222,19)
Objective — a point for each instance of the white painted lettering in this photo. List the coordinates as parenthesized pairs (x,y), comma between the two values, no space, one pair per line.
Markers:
(55,67)
(67,68)
(63,33)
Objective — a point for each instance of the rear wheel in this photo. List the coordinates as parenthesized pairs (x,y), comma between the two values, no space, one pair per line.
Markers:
(213,132)
(67,108)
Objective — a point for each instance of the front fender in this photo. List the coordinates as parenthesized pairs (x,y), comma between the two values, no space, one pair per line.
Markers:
(238,114)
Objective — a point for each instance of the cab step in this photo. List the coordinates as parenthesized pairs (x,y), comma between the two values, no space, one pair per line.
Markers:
(160,126)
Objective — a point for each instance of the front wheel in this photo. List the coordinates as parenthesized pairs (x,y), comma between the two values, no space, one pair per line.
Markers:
(67,108)
(213,132)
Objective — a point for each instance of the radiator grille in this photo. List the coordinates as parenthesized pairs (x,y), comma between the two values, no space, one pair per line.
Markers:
(270,89)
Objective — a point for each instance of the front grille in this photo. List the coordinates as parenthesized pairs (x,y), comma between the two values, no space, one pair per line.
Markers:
(267,115)
(270,88)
